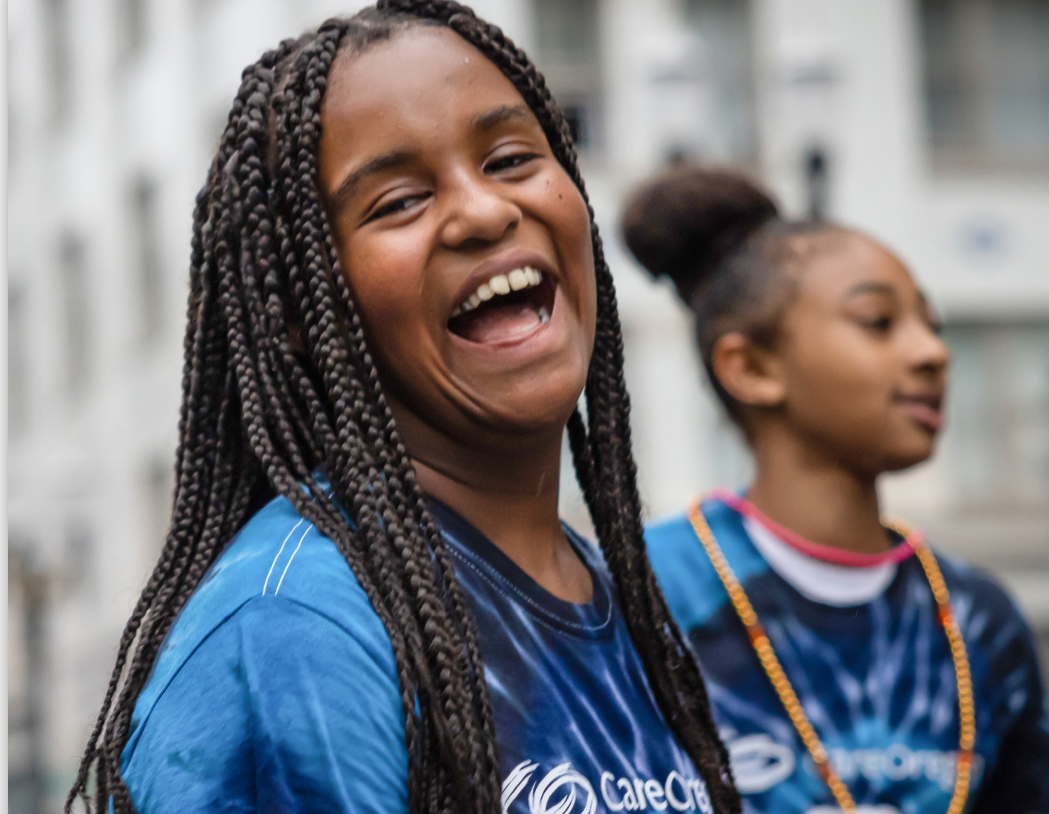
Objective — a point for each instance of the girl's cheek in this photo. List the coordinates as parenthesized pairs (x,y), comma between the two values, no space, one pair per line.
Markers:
(557,201)
(835,372)
(386,278)
(573,233)
(576,214)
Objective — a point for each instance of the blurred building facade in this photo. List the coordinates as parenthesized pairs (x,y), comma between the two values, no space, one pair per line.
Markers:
(923,122)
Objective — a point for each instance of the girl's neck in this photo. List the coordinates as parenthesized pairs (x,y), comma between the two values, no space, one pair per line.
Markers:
(817,498)
(510,496)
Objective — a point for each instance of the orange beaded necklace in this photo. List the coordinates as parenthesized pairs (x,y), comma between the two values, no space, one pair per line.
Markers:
(781,684)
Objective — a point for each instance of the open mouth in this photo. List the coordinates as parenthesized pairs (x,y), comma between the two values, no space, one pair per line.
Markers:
(505,307)
(925,409)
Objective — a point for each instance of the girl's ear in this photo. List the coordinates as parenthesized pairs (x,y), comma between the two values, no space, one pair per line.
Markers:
(749,373)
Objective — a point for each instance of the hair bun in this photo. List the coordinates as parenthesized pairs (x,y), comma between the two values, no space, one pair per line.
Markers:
(684,223)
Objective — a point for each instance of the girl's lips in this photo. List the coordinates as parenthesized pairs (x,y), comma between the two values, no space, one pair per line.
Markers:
(509,316)
(504,265)
(924,413)
(530,336)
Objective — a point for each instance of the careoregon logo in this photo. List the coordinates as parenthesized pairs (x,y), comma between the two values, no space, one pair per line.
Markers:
(565,791)
(544,797)
(759,763)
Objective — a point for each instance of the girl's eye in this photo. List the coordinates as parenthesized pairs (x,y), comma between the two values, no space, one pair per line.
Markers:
(879,325)
(510,162)
(395,206)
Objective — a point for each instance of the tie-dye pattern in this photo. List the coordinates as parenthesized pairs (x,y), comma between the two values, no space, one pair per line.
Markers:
(276,690)
(876,680)
(568,690)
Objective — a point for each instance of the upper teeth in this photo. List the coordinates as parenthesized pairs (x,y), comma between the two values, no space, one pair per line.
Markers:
(500,284)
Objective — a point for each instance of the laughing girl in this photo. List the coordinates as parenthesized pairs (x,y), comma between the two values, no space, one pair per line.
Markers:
(366,601)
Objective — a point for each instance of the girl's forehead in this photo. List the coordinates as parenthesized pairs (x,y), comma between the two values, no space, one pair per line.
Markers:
(423,97)
(415,68)
(850,259)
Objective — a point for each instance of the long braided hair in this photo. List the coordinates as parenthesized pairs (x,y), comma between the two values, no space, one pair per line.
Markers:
(279,384)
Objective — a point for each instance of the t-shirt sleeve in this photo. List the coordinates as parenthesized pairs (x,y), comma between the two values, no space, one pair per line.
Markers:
(279,709)
(1019,780)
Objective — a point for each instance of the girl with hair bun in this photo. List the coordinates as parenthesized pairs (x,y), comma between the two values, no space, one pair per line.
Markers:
(366,601)
(848,666)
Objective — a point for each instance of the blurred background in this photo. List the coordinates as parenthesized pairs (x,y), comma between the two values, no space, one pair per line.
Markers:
(923,122)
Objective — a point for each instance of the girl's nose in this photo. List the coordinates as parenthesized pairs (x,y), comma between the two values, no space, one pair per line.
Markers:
(478,213)
(929,352)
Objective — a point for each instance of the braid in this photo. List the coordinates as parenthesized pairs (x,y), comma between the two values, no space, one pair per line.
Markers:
(278,380)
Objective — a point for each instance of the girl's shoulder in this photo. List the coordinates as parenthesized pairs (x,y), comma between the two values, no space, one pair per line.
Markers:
(980,599)
(277,657)
(277,555)
(683,569)
(277,574)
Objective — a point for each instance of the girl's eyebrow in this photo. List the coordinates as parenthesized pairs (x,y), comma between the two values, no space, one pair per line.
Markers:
(871,288)
(496,116)
(386,161)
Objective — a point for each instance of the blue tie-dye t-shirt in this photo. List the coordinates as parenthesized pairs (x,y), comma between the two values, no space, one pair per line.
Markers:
(876,680)
(276,689)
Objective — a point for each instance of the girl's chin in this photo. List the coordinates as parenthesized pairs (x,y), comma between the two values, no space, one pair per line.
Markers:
(522,414)
(527,383)
(908,456)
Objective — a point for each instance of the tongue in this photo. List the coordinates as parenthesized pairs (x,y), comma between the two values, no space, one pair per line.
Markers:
(497,324)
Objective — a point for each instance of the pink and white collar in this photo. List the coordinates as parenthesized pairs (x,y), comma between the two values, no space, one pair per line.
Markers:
(824,553)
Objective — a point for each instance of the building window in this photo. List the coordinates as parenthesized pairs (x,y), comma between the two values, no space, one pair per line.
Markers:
(986,80)
(75,308)
(79,554)
(729,121)
(568,51)
(27,679)
(59,57)
(132,22)
(997,445)
(147,257)
(18,404)
(159,492)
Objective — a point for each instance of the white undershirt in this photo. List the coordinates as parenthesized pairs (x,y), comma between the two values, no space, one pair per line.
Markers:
(839,585)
